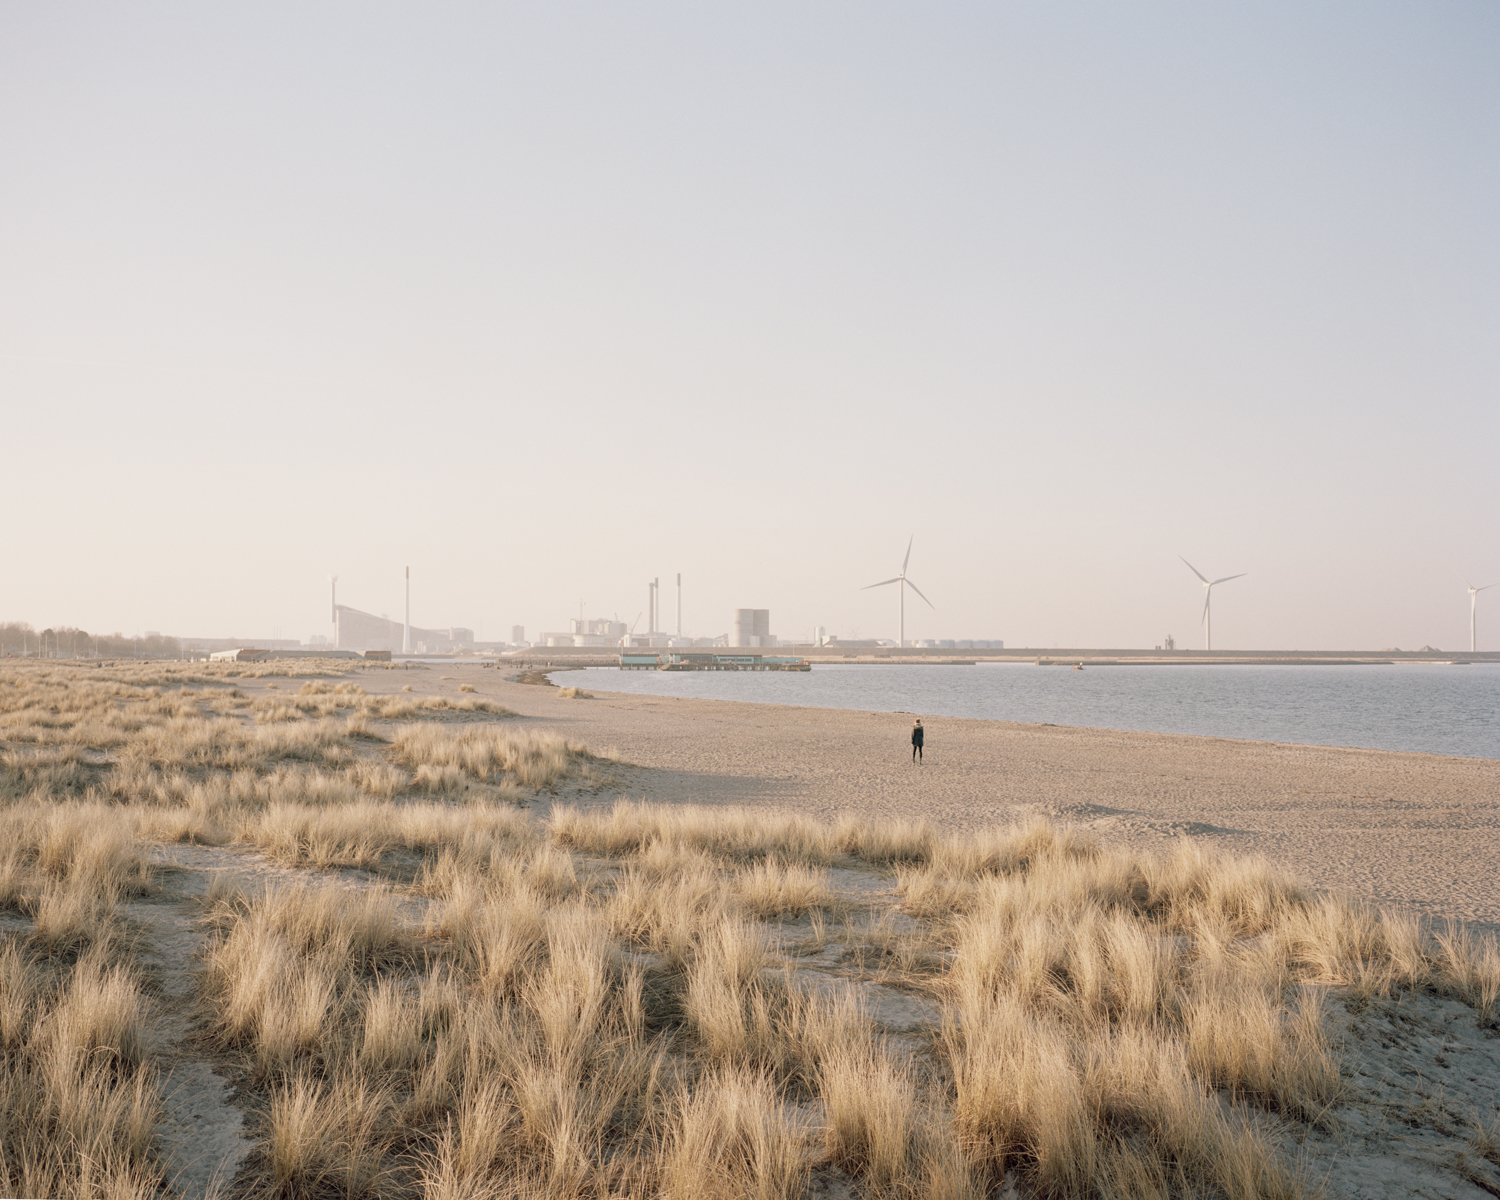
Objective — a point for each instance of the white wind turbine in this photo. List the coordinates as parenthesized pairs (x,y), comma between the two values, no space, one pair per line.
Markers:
(1473,599)
(904,583)
(1208,591)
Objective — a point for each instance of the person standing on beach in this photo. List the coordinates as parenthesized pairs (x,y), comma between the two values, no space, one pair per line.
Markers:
(916,742)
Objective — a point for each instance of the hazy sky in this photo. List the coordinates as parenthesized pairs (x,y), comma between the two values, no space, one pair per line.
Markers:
(546,300)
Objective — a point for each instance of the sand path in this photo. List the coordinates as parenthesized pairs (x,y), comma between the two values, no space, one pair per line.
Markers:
(1419,829)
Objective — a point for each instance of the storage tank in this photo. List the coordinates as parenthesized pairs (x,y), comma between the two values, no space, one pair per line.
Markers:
(742,628)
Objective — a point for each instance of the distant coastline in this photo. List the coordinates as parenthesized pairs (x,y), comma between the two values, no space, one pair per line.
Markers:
(593,656)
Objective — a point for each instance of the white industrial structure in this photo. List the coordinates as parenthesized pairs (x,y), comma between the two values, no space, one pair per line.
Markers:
(1208,591)
(356,630)
(1473,599)
(903,583)
(605,632)
(656,632)
(752,627)
(590,631)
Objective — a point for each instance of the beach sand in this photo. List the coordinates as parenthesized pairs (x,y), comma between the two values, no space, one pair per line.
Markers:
(1418,829)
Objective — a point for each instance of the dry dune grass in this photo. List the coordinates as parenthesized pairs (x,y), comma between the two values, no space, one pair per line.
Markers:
(773,889)
(643,1001)
(483,754)
(729,1139)
(78,1092)
(731,835)
(66,866)
(291,961)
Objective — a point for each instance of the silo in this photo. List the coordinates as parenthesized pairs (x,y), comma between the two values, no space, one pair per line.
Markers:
(743,628)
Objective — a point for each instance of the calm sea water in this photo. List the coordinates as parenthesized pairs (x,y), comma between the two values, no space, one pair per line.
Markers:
(1440,709)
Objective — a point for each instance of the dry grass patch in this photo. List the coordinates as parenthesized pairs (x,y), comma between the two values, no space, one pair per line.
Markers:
(773,889)
(731,1139)
(1470,970)
(288,967)
(390,708)
(448,841)
(486,755)
(872,1116)
(727,834)
(66,867)
(328,1137)
(78,1093)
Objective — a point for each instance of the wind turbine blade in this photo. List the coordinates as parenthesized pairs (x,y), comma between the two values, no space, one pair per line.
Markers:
(1193,569)
(907,559)
(918,590)
(882,583)
(1204,617)
(1485,588)
(1227,578)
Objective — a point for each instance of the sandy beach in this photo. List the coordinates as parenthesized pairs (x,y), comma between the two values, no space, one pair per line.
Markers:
(1419,829)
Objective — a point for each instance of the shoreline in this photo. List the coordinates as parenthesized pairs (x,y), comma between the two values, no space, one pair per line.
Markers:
(541,675)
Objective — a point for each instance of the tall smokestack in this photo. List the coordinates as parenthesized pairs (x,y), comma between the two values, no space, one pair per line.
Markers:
(679,603)
(406,635)
(656,613)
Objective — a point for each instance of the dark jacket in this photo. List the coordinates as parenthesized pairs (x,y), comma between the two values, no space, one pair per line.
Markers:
(916,735)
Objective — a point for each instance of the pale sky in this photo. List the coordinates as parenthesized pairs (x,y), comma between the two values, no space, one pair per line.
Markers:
(546,300)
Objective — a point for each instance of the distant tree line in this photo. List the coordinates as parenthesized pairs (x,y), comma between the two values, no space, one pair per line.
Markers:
(18,638)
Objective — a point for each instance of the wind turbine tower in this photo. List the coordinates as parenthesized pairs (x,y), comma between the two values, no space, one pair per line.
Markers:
(1208,591)
(903,583)
(1473,600)
(406,631)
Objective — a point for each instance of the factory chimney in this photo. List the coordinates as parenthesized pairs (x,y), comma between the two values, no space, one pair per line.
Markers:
(406,633)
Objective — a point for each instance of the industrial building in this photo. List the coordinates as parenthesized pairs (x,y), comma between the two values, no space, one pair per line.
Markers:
(593,631)
(751,627)
(604,632)
(959,644)
(355,630)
